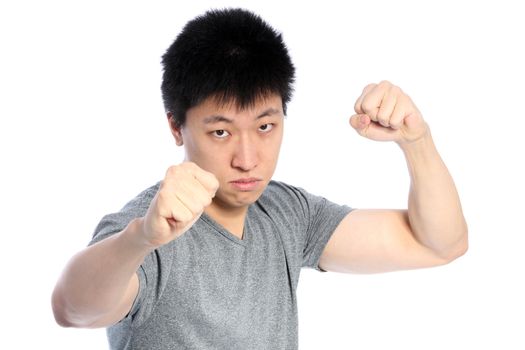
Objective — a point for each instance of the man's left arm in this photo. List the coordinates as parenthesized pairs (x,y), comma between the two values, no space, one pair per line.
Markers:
(433,230)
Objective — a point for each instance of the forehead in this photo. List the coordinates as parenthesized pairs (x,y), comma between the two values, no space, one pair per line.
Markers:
(212,109)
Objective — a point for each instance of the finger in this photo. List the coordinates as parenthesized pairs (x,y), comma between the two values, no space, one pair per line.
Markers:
(372,101)
(398,116)
(181,185)
(357,106)
(359,122)
(170,207)
(207,179)
(193,195)
(372,130)
(386,108)
(180,212)
(376,132)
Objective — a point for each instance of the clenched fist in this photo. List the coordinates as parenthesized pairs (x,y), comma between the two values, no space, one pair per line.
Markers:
(183,194)
(386,113)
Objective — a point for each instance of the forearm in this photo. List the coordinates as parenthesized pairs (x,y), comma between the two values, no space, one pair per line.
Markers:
(95,285)
(434,207)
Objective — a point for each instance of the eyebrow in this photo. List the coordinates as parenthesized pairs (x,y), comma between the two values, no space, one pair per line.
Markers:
(219,118)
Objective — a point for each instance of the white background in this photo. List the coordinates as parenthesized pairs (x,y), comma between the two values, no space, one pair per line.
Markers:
(83,131)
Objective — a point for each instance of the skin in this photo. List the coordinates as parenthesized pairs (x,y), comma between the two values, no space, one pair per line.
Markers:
(235,145)
(224,147)
(433,230)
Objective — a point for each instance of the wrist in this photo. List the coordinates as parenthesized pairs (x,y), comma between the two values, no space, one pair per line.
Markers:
(134,237)
(414,135)
(418,145)
(422,158)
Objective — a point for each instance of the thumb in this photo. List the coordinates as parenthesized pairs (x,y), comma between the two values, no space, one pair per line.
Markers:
(360,122)
(411,121)
(372,130)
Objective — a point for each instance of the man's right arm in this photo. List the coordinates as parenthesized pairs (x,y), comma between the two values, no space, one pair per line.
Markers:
(100,283)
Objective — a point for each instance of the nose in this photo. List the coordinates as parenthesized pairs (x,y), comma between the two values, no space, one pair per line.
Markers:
(245,155)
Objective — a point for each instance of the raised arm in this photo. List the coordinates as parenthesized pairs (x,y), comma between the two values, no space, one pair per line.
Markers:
(99,284)
(433,230)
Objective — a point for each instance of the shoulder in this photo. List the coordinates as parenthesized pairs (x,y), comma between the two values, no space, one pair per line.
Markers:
(142,201)
(287,200)
(278,191)
(117,221)
(284,199)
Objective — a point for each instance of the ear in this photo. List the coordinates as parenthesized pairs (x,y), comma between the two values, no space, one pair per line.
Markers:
(175,130)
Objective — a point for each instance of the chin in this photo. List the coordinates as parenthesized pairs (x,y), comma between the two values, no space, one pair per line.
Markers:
(238,199)
(246,199)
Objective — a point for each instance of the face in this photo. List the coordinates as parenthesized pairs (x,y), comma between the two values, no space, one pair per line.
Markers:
(240,147)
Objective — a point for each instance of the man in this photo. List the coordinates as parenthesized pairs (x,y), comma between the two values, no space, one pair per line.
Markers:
(210,257)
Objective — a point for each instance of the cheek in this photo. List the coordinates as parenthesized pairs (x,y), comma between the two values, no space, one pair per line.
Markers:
(196,147)
(273,147)
(213,160)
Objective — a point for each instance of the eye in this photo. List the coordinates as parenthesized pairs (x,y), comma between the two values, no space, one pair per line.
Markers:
(220,134)
(266,127)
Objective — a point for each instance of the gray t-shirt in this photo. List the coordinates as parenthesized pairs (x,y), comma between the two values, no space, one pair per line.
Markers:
(209,289)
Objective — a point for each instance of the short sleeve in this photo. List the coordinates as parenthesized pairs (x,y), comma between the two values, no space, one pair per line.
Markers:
(323,217)
(152,273)
(116,222)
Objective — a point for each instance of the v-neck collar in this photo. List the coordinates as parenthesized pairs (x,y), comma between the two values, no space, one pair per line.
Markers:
(223,231)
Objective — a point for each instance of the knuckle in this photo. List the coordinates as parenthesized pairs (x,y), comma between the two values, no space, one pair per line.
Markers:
(207,201)
(383,114)
(369,87)
(406,100)
(185,215)
(193,211)
(395,90)
(197,205)
(190,166)
(211,183)
(173,171)
(369,108)
(161,194)
(215,184)
(357,106)
(395,122)
(164,199)
(385,84)
(383,120)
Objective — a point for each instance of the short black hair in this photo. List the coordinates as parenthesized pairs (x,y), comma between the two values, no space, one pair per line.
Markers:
(229,54)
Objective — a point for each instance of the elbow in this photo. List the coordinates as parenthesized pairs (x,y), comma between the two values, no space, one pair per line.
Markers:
(458,249)
(62,321)
(70,315)
(65,313)
(59,311)
(462,246)
(65,317)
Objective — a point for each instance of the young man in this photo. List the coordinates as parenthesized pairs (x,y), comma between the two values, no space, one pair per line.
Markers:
(210,257)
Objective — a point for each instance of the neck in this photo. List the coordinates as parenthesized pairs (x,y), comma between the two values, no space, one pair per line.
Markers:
(231,218)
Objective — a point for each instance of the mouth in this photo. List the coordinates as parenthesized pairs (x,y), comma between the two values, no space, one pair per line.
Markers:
(246,184)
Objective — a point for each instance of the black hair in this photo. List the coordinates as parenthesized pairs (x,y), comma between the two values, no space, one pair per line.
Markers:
(231,55)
